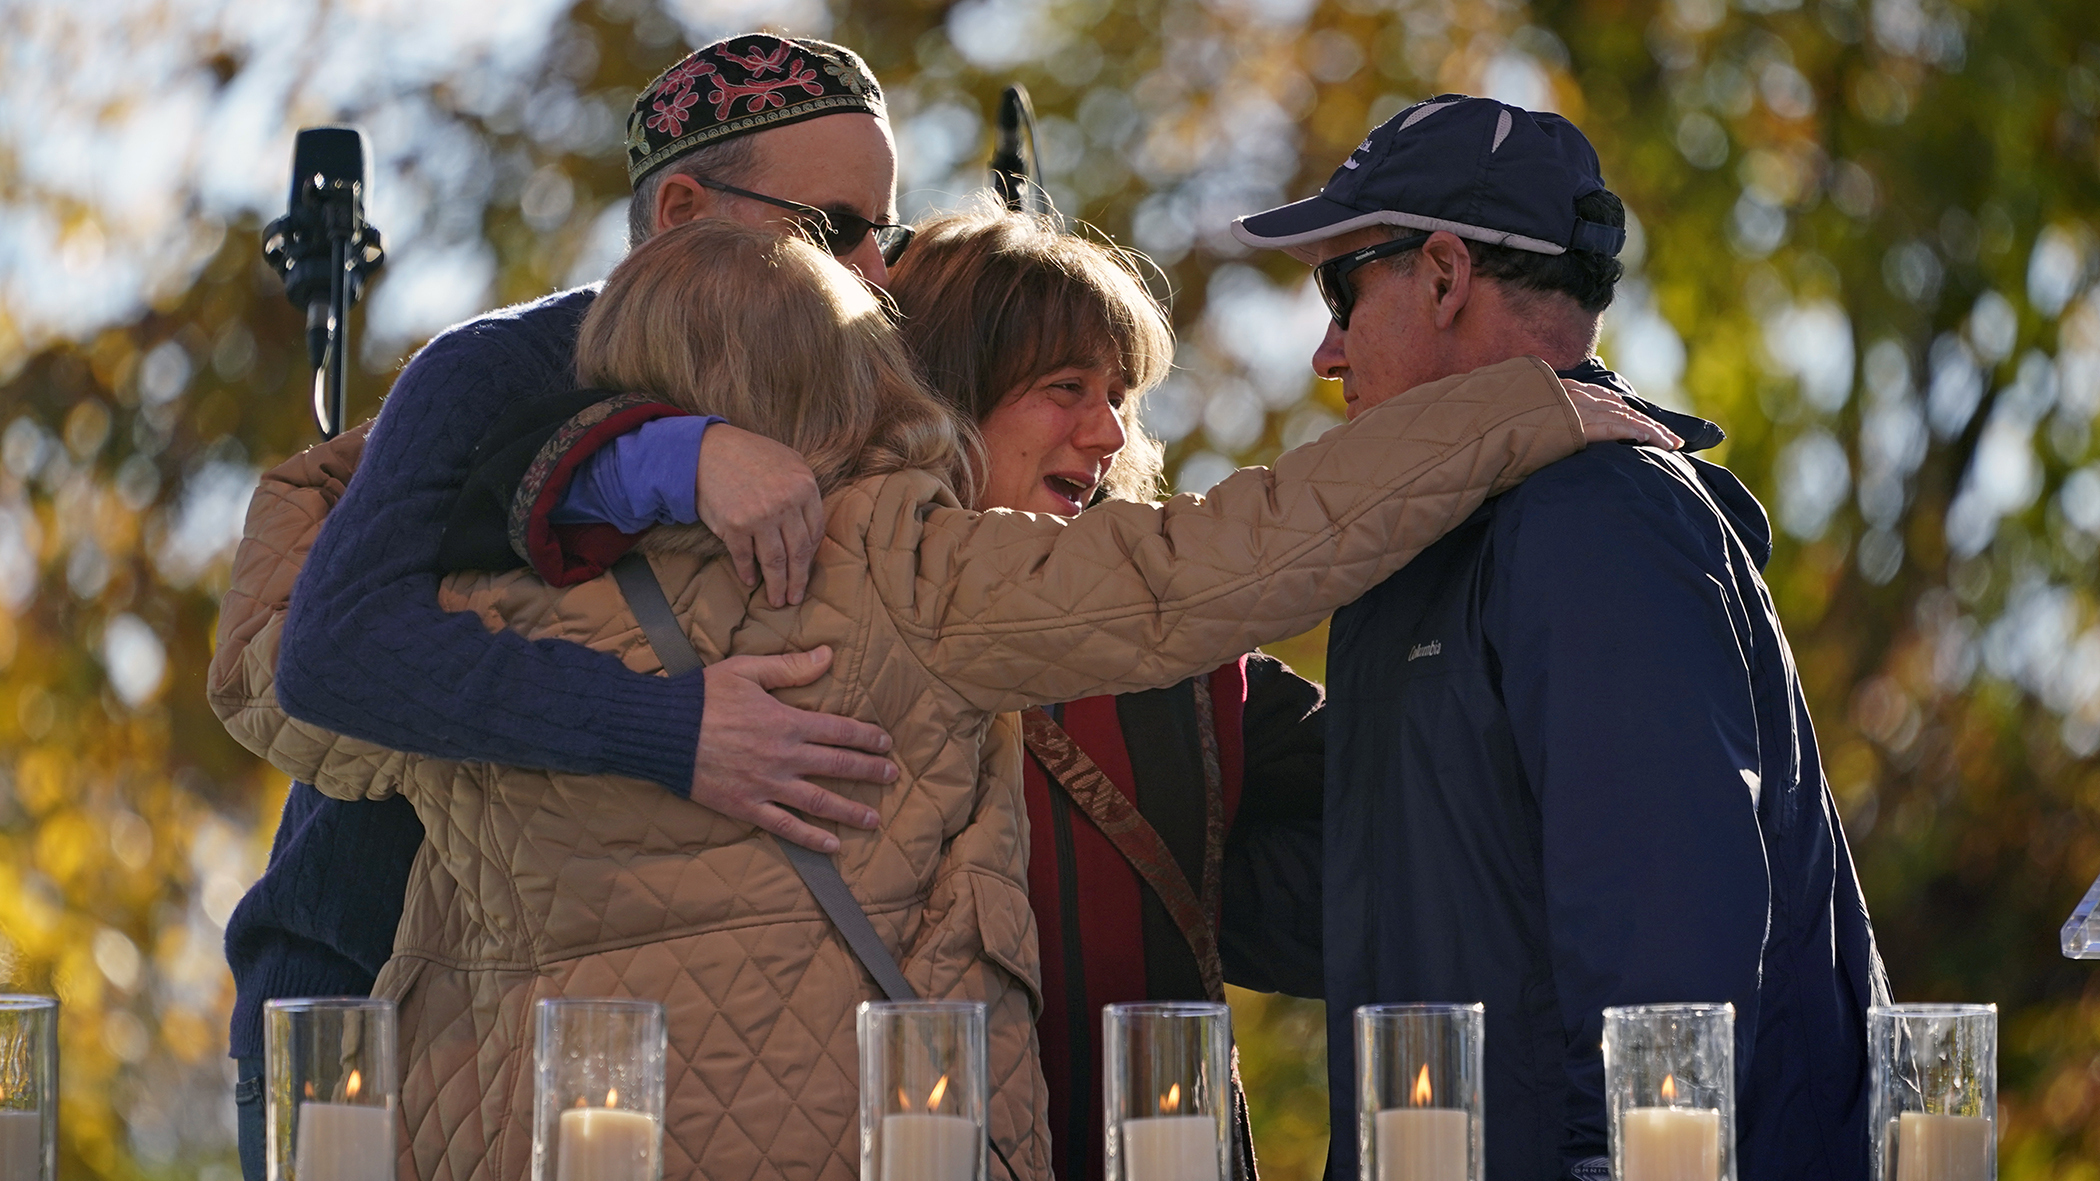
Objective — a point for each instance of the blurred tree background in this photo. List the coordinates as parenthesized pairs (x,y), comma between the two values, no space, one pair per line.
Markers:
(1866,245)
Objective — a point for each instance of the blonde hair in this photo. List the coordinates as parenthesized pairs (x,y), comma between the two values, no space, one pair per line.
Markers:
(771,333)
(993,299)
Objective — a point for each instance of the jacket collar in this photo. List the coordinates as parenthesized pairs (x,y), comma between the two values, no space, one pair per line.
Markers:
(1744,513)
(1697,433)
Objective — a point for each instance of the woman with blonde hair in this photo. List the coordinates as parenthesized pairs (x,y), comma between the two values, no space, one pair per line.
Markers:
(944,619)
(1048,342)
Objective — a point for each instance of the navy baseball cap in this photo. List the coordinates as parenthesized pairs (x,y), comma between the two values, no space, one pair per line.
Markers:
(1479,168)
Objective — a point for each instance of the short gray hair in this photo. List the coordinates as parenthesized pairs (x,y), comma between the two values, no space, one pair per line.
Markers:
(723,160)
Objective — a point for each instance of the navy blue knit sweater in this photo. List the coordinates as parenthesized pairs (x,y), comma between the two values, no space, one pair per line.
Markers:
(369,653)
(320,921)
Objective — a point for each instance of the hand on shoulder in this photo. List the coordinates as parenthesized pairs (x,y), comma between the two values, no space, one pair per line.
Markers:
(761,499)
(1606,417)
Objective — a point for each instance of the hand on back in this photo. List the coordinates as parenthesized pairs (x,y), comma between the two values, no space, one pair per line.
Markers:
(755,752)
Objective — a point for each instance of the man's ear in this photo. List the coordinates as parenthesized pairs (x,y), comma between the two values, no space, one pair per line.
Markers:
(1448,266)
(680,199)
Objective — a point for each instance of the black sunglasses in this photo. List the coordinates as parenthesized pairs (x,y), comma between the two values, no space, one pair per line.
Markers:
(841,232)
(1332,276)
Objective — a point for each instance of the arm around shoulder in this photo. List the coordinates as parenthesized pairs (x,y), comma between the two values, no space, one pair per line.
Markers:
(339,767)
(1013,608)
(369,652)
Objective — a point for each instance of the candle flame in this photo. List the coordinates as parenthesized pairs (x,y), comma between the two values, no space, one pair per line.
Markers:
(1170,1102)
(1669,1090)
(1422,1092)
(903,1100)
(351,1088)
(309,1088)
(612,1096)
(933,1099)
(582,1102)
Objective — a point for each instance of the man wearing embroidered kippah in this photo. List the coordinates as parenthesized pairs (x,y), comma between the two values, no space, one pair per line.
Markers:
(759,129)
(1569,761)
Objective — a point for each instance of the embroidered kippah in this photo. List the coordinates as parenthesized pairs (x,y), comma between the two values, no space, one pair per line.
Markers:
(741,85)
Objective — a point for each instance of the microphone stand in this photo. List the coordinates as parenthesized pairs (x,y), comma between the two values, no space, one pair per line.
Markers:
(331,421)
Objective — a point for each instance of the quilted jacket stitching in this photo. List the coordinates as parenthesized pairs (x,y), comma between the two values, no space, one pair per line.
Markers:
(482,777)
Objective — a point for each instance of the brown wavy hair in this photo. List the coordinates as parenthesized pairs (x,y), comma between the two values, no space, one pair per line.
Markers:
(993,299)
(771,333)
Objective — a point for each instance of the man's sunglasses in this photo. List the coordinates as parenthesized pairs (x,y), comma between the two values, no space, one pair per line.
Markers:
(841,232)
(1332,276)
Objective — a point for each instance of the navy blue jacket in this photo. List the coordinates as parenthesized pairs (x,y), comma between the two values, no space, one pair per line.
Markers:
(1570,766)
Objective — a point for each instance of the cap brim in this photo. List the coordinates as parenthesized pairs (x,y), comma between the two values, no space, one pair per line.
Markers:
(1299,226)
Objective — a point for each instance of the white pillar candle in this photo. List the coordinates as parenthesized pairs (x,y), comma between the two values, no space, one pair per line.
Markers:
(21,1146)
(1422,1144)
(929,1148)
(1943,1147)
(1171,1148)
(1670,1144)
(606,1144)
(344,1142)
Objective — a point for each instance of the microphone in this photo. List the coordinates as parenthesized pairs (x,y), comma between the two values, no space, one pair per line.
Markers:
(328,168)
(1012,172)
(324,249)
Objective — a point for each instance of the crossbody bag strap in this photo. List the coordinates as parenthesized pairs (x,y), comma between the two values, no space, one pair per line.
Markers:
(645,597)
(1132,835)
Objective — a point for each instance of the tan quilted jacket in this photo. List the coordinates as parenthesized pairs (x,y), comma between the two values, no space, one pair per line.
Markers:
(533,884)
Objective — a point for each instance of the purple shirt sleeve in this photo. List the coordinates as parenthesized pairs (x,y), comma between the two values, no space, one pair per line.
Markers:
(645,477)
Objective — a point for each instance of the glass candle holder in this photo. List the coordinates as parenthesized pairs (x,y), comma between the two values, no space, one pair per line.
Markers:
(333,1087)
(2081,932)
(1418,1106)
(598,1111)
(1167,1091)
(923,1090)
(1669,1090)
(28,1088)
(1933,1070)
